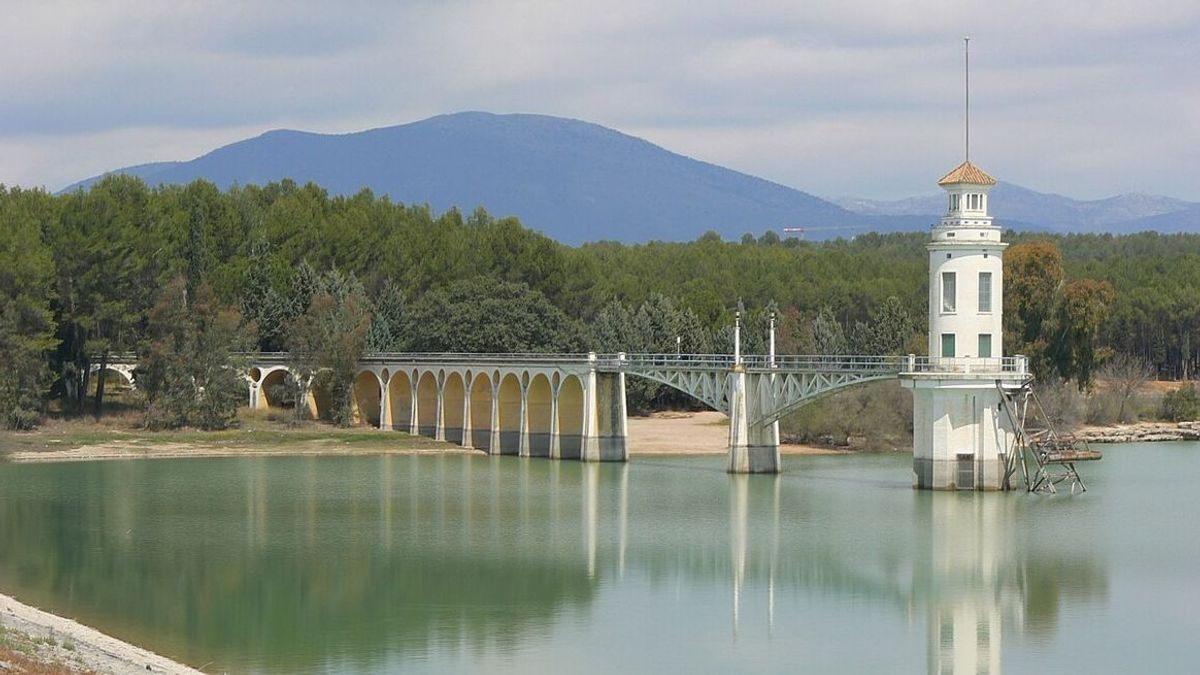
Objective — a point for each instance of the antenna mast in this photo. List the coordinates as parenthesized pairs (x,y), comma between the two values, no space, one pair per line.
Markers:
(967,90)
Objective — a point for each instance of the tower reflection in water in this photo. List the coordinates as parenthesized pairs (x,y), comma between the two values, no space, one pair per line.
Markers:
(972,583)
(979,569)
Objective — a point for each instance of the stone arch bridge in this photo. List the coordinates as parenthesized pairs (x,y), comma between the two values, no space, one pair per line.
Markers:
(572,406)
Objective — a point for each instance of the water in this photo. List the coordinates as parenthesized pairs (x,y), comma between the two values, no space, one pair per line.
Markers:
(509,565)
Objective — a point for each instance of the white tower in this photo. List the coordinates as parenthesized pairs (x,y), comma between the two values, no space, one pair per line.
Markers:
(961,434)
(966,271)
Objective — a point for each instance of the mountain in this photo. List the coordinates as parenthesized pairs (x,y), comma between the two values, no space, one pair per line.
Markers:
(577,182)
(573,180)
(1022,208)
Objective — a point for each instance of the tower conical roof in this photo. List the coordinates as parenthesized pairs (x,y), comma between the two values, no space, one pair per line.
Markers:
(967,173)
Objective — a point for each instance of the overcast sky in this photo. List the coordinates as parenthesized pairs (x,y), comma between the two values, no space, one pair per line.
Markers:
(1087,98)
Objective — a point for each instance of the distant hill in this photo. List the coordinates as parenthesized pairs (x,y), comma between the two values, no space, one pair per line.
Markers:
(1015,206)
(578,182)
(573,180)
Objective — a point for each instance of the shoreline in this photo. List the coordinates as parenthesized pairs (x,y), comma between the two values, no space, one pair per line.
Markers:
(50,640)
(690,433)
(1141,432)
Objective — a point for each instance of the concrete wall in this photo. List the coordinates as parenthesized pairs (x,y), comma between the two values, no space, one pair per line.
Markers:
(961,436)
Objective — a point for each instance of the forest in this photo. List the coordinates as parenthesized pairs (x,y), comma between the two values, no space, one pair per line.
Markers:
(189,276)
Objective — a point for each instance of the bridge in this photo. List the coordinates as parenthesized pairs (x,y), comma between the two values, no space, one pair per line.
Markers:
(572,406)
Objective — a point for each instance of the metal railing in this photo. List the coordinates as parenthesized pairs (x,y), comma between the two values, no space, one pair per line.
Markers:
(881,365)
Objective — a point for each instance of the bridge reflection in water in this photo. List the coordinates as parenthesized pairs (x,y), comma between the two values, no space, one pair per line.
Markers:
(280,564)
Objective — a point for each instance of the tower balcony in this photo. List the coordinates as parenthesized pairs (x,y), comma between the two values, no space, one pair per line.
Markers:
(1007,368)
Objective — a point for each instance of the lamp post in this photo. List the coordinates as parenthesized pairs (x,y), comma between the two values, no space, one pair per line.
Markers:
(771,344)
(737,338)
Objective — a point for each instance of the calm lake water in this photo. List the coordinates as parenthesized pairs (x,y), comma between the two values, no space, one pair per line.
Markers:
(510,565)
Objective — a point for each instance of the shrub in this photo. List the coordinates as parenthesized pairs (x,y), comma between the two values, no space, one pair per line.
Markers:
(1181,405)
(873,417)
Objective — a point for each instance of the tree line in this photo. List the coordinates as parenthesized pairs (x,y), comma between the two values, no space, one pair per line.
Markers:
(188,276)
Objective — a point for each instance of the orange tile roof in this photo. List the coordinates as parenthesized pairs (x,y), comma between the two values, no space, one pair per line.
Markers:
(967,173)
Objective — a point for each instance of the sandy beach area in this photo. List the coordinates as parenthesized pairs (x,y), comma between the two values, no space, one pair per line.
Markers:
(695,433)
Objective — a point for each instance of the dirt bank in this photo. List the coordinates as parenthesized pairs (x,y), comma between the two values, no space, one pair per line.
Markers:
(36,641)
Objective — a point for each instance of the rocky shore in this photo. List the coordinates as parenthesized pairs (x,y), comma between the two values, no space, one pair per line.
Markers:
(1142,432)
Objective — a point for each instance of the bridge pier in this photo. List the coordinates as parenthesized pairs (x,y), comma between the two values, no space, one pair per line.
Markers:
(605,432)
(555,441)
(385,410)
(468,428)
(753,448)
(523,442)
(494,429)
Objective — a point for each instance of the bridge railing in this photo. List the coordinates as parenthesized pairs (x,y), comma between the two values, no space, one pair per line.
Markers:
(880,365)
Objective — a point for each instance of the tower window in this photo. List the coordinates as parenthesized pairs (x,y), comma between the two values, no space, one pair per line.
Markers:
(949,292)
(948,345)
(954,202)
(985,346)
(985,292)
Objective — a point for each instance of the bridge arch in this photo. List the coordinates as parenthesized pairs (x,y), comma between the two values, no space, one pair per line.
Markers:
(481,412)
(453,401)
(115,378)
(570,418)
(400,401)
(539,406)
(273,389)
(792,392)
(427,404)
(777,397)
(509,403)
(365,399)
(709,388)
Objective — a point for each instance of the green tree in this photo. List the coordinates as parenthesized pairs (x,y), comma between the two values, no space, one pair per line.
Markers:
(484,315)
(828,336)
(889,331)
(1081,310)
(387,319)
(26,321)
(1056,323)
(327,341)
(1033,274)
(109,253)
(187,372)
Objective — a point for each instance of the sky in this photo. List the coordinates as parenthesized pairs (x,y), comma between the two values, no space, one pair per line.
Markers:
(1086,98)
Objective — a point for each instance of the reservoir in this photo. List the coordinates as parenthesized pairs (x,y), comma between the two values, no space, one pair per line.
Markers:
(470,563)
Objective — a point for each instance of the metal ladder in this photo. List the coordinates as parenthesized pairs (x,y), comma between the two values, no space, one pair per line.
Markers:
(1053,453)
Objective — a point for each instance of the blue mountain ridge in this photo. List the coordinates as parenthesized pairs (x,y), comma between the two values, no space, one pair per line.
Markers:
(575,181)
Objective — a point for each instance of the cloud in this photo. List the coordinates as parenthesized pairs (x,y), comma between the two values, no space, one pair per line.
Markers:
(851,97)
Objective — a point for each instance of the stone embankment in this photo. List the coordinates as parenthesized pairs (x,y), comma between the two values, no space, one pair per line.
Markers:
(1142,433)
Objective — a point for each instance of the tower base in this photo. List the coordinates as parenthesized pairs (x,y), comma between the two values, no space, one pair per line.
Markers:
(961,437)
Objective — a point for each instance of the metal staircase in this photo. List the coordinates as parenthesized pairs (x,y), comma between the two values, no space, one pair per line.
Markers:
(1053,453)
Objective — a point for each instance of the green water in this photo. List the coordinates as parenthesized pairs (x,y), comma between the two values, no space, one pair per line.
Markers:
(478,564)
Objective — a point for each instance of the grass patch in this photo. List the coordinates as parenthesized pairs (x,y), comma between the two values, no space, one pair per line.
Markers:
(255,431)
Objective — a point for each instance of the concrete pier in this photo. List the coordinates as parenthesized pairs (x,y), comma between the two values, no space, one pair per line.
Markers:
(753,448)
